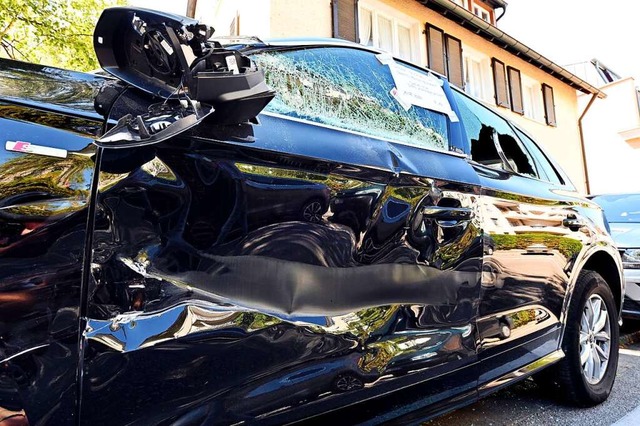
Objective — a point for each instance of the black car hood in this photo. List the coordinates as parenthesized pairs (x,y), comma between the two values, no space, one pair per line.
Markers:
(50,89)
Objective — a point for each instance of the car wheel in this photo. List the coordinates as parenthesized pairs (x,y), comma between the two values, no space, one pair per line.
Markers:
(312,211)
(347,382)
(590,343)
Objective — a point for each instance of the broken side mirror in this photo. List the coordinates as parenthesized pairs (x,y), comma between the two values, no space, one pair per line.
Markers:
(171,57)
(162,122)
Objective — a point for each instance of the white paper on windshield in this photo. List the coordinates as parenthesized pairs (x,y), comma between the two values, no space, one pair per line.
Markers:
(423,90)
(385,58)
(403,103)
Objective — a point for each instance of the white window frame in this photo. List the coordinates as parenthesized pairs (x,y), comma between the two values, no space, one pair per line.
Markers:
(481,11)
(379,9)
(462,3)
(479,85)
(532,98)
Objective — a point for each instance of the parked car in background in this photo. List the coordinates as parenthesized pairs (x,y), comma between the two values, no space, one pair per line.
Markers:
(623,213)
(420,251)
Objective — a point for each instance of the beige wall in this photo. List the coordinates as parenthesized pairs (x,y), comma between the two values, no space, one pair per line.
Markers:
(313,18)
(253,16)
(269,18)
(295,18)
(561,142)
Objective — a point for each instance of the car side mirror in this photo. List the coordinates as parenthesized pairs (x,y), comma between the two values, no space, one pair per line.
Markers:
(171,58)
(162,122)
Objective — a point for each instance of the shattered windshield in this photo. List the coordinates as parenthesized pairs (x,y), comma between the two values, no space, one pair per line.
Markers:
(351,89)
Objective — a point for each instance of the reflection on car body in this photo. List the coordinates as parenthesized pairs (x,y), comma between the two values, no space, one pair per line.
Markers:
(623,214)
(306,250)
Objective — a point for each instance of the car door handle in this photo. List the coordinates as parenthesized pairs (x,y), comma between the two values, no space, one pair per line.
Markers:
(453,214)
(573,223)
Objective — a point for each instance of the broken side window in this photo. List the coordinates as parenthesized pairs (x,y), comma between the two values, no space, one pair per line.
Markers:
(354,90)
(479,123)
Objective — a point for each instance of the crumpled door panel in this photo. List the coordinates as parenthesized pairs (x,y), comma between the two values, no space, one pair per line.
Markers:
(229,284)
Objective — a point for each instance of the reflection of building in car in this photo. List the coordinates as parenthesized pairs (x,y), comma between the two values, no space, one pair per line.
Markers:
(513,217)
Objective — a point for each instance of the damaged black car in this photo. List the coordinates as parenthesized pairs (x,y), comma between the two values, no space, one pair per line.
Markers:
(227,232)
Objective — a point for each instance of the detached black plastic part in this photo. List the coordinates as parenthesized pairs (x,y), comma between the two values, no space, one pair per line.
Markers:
(169,56)
(162,122)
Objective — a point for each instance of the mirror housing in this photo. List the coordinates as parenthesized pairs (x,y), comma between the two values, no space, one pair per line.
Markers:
(171,57)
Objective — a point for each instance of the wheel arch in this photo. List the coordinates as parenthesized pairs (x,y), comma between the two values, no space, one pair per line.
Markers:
(603,263)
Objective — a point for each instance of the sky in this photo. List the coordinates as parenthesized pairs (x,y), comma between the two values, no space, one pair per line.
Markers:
(565,31)
(571,31)
(173,6)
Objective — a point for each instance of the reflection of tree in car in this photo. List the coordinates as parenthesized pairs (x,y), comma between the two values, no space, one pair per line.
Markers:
(309,87)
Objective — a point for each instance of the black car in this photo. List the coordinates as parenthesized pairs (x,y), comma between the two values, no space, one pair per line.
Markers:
(623,214)
(421,251)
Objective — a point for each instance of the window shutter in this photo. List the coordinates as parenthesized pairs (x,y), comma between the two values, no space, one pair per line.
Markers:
(345,19)
(454,61)
(549,104)
(500,83)
(515,90)
(435,47)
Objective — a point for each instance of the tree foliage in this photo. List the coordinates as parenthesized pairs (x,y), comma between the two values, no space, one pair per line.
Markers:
(51,32)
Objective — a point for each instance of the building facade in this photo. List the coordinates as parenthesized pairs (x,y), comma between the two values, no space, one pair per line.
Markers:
(456,38)
(611,129)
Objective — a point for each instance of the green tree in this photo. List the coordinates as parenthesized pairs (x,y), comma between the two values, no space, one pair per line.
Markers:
(51,32)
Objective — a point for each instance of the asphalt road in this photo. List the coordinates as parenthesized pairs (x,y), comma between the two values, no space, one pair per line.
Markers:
(529,404)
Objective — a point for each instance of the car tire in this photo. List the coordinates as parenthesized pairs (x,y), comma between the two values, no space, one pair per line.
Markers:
(587,381)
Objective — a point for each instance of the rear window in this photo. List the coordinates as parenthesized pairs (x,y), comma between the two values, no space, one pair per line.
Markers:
(620,207)
(351,89)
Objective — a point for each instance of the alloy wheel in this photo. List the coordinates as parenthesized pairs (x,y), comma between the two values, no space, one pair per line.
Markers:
(595,339)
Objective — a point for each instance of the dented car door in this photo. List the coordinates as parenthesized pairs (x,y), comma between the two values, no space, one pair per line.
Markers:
(47,126)
(276,270)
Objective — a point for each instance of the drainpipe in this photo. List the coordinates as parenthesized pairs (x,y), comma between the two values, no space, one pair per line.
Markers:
(191,8)
(582,146)
(504,10)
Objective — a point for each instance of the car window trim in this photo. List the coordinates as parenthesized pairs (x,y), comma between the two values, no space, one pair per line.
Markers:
(365,135)
(564,181)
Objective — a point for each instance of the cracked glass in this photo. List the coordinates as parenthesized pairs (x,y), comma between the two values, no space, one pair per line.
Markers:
(350,89)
